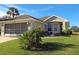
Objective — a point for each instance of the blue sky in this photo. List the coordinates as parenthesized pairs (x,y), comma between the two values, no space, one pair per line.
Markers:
(67,11)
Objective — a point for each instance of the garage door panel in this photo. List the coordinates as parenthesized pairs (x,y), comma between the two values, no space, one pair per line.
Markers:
(17,31)
(17,28)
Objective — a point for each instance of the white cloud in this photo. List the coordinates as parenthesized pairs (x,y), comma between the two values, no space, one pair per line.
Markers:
(11,5)
(24,10)
(2,13)
(4,9)
(33,12)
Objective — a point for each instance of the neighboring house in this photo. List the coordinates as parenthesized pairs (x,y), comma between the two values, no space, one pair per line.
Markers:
(20,24)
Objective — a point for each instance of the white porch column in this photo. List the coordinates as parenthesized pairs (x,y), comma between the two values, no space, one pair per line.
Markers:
(2,30)
(64,26)
(29,26)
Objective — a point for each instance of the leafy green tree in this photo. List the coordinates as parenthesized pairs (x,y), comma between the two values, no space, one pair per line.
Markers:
(13,12)
(75,28)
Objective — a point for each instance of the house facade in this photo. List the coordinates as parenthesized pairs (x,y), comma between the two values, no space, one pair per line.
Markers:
(55,24)
(16,26)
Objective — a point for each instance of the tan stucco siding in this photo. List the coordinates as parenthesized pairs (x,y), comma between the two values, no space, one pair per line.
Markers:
(37,25)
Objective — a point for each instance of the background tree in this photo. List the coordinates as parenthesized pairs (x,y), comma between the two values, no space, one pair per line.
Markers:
(13,11)
(75,28)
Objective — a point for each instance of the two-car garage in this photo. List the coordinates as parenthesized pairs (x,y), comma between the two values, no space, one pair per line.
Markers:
(16,26)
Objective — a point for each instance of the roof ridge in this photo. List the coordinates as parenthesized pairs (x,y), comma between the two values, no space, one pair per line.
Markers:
(61,18)
(48,18)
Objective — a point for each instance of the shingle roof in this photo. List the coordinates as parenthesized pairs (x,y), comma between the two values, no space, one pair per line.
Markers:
(25,16)
(43,18)
(47,18)
(18,17)
(28,16)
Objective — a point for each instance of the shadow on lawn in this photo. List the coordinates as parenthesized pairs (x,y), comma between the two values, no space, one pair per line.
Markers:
(75,34)
(55,46)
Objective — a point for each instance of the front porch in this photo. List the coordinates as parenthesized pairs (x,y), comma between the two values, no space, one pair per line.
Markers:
(54,28)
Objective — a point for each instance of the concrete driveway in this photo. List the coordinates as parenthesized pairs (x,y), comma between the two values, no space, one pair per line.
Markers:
(4,39)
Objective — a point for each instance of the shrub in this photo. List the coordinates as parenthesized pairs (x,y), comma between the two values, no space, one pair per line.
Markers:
(24,40)
(31,39)
(46,33)
(57,34)
(67,32)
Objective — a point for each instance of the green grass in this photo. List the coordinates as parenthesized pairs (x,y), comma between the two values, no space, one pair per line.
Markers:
(60,45)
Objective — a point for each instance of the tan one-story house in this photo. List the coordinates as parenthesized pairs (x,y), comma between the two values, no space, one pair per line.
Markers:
(16,26)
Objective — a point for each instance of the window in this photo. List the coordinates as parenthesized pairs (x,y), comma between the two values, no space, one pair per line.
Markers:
(55,25)
(55,29)
(49,29)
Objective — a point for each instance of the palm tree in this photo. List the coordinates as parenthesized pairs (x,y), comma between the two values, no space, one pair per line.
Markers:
(13,12)
(31,39)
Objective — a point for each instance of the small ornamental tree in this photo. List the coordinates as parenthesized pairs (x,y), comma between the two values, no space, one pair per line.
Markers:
(31,39)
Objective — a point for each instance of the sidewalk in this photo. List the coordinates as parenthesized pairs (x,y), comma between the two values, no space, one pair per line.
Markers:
(4,39)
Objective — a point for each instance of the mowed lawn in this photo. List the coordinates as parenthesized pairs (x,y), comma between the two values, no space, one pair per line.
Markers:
(60,45)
